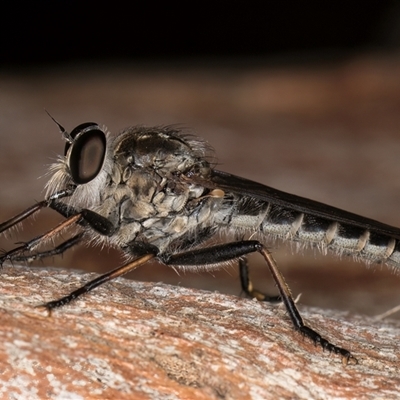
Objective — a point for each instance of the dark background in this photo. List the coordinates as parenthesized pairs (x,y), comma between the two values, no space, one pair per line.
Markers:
(34,33)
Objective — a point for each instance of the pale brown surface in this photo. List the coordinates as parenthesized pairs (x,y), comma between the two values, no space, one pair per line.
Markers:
(153,341)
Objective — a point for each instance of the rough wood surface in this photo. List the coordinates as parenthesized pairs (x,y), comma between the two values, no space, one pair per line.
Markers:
(131,340)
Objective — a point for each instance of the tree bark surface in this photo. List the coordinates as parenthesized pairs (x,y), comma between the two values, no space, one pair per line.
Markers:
(135,340)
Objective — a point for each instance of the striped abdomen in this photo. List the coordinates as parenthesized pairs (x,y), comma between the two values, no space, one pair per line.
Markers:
(325,233)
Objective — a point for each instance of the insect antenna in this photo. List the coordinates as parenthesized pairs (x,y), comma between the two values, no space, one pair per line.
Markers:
(66,136)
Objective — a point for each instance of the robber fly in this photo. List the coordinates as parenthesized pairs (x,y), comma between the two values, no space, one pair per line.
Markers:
(153,193)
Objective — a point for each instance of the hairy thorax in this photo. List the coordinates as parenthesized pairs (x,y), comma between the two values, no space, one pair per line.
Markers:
(146,194)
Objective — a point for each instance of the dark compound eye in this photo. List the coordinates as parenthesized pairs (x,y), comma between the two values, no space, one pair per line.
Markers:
(85,155)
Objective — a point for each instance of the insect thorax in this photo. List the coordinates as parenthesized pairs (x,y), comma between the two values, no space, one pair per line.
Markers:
(143,188)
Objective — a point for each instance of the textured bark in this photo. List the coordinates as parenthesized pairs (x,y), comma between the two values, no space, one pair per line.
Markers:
(139,340)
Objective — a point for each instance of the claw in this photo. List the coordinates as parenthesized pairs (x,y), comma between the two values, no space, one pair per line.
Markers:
(346,356)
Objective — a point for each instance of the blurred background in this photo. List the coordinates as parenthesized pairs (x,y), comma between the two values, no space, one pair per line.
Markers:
(304,99)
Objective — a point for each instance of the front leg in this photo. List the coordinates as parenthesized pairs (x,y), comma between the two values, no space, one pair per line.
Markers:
(98,223)
(60,249)
(85,217)
(4,226)
(20,251)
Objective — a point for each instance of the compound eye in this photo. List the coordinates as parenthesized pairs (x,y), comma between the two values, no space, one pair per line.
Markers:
(85,155)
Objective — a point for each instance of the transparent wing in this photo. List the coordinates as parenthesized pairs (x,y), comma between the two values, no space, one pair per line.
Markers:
(242,186)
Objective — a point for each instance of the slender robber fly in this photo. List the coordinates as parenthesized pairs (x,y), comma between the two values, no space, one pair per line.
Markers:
(153,193)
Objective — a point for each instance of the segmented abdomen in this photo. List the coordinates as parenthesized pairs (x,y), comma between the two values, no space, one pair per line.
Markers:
(342,238)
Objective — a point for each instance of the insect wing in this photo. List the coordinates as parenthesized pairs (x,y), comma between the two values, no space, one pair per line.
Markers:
(242,186)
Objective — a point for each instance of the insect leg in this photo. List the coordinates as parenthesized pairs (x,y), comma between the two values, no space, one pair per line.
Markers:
(20,217)
(60,249)
(99,281)
(85,217)
(247,285)
(229,251)
(28,246)
(294,314)
(96,221)
(33,209)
